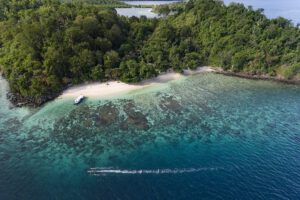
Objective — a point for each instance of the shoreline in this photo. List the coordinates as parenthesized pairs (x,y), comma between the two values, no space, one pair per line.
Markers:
(116,88)
(257,77)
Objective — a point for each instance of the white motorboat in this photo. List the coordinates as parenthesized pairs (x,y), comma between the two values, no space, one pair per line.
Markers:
(79,99)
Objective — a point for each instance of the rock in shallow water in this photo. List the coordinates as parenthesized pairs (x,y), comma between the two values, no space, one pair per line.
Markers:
(107,115)
(134,118)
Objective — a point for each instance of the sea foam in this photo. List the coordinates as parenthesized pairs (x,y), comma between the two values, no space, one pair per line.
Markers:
(102,171)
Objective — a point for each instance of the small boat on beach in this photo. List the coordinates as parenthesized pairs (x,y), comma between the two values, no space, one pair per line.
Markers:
(79,99)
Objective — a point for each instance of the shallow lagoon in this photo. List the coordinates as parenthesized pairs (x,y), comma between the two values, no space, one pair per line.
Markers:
(149,2)
(206,136)
(289,9)
(138,12)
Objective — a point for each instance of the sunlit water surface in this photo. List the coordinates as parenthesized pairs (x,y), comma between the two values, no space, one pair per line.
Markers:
(149,2)
(138,12)
(289,9)
(203,137)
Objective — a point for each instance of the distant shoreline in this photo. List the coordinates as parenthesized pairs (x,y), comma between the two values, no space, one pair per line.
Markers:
(258,77)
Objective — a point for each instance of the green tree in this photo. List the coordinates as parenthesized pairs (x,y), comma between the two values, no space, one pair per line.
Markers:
(111,59)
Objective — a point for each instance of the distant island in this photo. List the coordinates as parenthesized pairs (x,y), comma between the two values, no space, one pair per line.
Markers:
(48,45)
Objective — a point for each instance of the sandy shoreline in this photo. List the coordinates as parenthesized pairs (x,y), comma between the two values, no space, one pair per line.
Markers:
(115,88)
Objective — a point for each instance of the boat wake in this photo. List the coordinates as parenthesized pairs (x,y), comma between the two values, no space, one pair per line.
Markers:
(104,171)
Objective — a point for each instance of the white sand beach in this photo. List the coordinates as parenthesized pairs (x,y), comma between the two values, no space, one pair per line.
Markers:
(115,88)
(188,72)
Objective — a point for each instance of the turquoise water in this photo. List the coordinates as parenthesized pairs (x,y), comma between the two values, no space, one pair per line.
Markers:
(207,136)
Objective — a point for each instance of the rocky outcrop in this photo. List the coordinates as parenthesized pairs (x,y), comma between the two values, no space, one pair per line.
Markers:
(19,100)
(254,76)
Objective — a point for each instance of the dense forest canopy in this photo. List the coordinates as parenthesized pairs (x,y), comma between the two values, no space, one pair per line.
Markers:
(46,44)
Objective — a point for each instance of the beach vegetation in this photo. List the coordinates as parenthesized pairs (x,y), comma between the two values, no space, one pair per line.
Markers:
(47,44)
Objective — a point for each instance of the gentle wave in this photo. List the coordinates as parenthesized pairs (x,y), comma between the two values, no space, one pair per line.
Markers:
(99,171)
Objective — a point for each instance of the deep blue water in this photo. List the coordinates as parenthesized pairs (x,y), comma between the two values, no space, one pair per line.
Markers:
(203,137)
(289,9)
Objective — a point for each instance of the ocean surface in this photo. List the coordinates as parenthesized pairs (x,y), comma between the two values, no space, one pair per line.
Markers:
(289,9)
(138,12)
(149,2)
(205,136)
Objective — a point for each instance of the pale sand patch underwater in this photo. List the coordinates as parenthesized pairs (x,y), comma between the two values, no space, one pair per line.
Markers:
(115,88)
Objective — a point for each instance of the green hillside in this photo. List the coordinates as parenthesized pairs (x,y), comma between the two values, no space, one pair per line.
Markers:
(46,45)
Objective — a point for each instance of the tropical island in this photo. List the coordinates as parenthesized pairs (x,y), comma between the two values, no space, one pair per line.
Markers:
(48,45)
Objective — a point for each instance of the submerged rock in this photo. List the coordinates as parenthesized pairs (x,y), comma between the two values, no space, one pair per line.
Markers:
(19,100)
(169,103)
(134,119)
(107,115)
(138,120)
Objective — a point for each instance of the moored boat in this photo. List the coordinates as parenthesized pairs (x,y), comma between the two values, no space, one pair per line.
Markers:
(79,99)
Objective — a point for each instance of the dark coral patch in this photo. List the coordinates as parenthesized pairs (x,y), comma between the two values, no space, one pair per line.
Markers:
(134,119)
(138,120)
(170,104)
(107,115)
